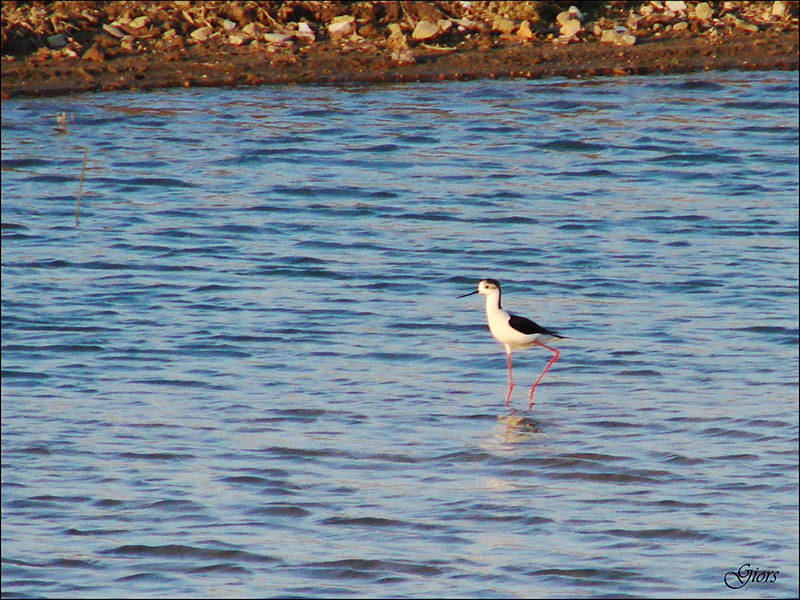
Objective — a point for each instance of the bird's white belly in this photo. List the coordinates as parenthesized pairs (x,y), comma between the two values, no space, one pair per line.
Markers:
(505,334)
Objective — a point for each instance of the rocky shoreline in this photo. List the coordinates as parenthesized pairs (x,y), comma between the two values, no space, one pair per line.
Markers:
(53,48)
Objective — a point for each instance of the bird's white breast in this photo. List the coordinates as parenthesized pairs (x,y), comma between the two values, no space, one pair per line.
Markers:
(503,332)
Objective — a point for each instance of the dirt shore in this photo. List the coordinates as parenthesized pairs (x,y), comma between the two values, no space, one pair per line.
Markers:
(52,48)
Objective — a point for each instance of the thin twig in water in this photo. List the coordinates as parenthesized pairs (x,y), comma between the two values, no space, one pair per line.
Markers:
(80,186)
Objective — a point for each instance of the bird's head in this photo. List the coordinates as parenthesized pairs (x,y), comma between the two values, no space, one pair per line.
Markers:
(486,287)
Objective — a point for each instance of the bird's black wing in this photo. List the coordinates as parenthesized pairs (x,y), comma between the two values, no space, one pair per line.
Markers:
(528,327)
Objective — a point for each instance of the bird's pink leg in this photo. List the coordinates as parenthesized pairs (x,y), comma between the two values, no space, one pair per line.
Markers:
(538,379)
(510,377)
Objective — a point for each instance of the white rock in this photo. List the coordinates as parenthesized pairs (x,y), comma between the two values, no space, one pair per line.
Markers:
(575,13)
(425,30)
(563,17)
(778,9)
(703,11)
(342,26)
(252,29)
(525,31)
(617,38)
(228,25)
(202,34)
(675,5)
(139,22)
(608,35)
(570,28)
(739,24)
(503,25)
(115,31)
(465,24)
(572,13)
(394,29)
(403,56)
(276,38)
(397,38)
(304,32)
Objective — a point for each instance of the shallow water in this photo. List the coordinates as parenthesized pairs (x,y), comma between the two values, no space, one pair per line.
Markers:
(245,372)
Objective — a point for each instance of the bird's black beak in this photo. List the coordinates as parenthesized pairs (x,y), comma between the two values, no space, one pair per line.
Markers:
(465,295)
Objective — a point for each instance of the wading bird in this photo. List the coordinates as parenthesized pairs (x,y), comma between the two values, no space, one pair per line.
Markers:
(514,332)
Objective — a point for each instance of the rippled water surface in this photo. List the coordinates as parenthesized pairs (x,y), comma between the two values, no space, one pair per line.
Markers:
(245,373)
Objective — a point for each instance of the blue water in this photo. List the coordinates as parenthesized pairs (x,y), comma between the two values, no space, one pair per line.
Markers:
(244,371)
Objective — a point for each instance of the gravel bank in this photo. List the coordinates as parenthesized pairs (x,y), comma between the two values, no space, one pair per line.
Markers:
(51,48)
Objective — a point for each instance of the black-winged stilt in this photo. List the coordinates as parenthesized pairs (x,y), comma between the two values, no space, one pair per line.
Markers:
(514,332)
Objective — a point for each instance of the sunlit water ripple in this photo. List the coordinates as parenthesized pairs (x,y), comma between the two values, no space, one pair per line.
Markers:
(245,372)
